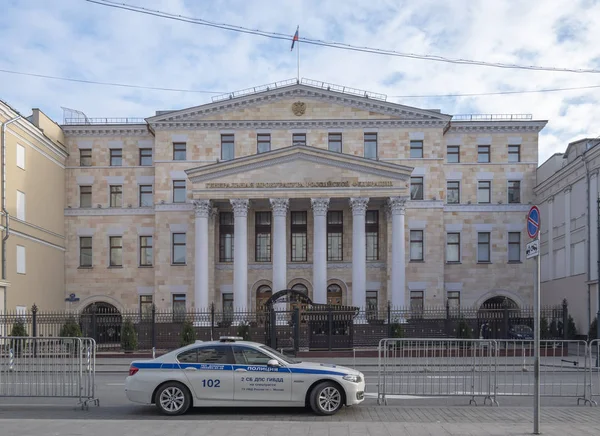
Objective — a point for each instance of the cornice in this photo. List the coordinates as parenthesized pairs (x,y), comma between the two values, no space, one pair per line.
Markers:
(106,130)
(109,211)
(566,175)
(330,265)
(174,207)
(424,204)
(497,126)
(486,207)
(296,124)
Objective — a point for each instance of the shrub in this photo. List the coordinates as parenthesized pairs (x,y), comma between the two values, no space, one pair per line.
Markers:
(129,341)
(396,330)
(592,333)
(18,330)
(70,329)
(571,328)
(188,334)
(243,331)
(463,330)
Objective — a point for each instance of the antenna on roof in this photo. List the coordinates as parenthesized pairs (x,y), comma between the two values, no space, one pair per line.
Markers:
(73,116)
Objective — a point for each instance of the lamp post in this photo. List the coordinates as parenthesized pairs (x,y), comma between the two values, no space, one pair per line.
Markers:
(598,283)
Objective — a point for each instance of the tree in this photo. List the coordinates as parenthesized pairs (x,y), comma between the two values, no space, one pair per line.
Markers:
(18,330)
(129,340)
(592,333)
(70,329)
(188,334)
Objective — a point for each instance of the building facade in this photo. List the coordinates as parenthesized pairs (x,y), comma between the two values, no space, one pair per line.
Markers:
(344,196)
(567,194)
(32,208)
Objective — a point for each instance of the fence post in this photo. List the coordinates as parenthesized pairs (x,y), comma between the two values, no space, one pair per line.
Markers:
(330,322)
(34,311)
(447,323)
(389,318)
(296,329)
(153,329)
(565,320)
(212,321)
(505,324)
(273,327)
(94,308)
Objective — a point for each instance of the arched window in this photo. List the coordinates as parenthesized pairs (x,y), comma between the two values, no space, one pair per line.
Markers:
(300,288)
(334,294)
(263,293)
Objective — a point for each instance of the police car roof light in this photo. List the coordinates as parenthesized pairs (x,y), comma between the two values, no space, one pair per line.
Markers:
(230,338)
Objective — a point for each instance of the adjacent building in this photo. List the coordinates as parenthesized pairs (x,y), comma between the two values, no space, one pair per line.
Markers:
(32,206)
(334,192)
(567,194)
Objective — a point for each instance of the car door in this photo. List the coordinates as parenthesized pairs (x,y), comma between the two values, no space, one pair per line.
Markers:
(209,371)
(254,380)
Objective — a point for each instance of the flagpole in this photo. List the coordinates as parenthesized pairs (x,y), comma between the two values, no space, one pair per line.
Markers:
(298,54)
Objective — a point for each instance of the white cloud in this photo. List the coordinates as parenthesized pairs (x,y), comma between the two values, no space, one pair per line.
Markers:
(74,38)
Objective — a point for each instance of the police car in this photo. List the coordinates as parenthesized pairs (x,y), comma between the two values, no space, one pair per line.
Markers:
(233,372)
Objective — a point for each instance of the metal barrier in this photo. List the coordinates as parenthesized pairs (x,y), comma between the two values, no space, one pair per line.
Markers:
(487,368)
(436,367)
(48,367)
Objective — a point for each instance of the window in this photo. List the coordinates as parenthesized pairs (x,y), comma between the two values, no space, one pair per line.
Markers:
(371,145)
(227,302)
(416,302)
(179,151)
(227,147)
(484,190)
(179,308)
(453,192)
(249,356)
(335,142)
(20,156)
(372,305)
(179,249)
(145,157)
(514,153)
(116,196)
(263,293)
(416,149)
(514,191)
(21,205)
(85,157)
(218,355)
(483,247)
(453,154)
(372,234)
(514,246)
(85,196)
(146,306)
(299,236)
(262,229)
(146,252)
(453,247)
(116,251)
(179,193)
(483,154)
(416,245)
(334,294)
(146,196)
(454,299)
(85,251)
(116,157)
(298,138)
(335,235)
(226,236)
(263,142)
(416,188)
(21,269)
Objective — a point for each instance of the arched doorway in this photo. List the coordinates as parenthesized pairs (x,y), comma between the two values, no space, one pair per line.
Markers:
(102,321)
(495,317)
(334,294)
(499,302)
(263,293)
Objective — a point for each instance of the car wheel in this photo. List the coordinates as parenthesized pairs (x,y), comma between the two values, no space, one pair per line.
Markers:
(173,399)
(326,399)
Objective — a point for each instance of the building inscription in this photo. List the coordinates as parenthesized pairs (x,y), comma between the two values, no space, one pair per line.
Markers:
(263,185)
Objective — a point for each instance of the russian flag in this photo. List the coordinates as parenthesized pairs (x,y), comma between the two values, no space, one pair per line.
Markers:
(295,38)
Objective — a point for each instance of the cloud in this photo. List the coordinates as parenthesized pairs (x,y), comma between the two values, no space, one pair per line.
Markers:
(75,38)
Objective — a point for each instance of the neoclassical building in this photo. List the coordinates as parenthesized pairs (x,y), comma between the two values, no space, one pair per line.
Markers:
(334,192)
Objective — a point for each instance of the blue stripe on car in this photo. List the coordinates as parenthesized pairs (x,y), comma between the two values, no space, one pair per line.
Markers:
(217,367)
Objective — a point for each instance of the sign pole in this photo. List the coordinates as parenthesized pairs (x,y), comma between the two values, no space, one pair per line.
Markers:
(533,250)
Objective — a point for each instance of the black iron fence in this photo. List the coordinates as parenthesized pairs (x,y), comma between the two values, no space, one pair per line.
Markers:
(297,329)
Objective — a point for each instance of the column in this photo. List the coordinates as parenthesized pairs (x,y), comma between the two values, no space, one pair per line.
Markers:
(202,209)
(397,208)
(550,238)
(568,232)
(319,207)
(240,253)
(280,209)
(359,252)
(593,211)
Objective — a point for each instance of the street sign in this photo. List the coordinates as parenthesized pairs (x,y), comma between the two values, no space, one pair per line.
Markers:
(533,249)
(533,222)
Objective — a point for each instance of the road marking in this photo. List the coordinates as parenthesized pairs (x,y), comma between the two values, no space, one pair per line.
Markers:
(402,397)
(115,384)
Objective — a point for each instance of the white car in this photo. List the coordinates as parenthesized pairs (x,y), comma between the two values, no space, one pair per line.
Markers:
(233,372)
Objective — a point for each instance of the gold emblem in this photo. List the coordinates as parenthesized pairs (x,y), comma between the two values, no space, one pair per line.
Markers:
(299,108)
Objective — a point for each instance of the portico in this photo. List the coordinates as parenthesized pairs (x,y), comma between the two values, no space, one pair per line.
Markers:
(289,184)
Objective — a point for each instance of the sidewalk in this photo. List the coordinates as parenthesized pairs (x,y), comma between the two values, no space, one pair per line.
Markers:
(40,427)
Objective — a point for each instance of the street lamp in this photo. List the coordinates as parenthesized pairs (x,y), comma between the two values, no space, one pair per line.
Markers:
(598,282)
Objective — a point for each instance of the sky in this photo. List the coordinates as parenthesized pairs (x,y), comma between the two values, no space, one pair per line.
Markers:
(83,40)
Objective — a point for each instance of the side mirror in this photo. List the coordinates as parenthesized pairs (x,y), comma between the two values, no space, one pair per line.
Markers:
(273,362)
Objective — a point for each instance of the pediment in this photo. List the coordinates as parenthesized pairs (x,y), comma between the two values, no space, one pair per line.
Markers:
(299,167)
(316,104)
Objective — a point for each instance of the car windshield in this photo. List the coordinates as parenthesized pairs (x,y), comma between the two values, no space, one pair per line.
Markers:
(523,329)
(283,357)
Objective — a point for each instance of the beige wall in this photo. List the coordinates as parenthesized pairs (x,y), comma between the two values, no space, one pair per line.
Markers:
(575,290)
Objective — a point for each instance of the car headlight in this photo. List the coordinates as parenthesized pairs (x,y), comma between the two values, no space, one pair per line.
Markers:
(353,378)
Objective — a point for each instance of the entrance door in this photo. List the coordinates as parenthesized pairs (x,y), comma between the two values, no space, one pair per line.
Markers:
(209,371)
(254,380)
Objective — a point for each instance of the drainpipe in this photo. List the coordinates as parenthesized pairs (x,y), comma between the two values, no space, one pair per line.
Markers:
(3,205)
